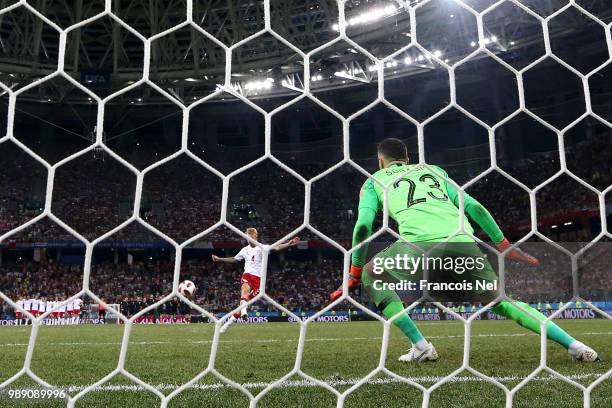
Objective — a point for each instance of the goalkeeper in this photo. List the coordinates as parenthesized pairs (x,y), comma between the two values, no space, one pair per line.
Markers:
(426,209)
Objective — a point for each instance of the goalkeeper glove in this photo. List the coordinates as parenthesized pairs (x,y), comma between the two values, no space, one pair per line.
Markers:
(354,279)
(516,254)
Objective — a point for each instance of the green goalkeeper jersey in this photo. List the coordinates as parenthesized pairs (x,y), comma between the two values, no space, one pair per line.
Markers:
(419,201)
(424,205)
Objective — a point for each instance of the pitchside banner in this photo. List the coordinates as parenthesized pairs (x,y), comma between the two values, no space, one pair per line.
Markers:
(53,322)
(565,314)
(347,317)
(344,318)
(258,318)
(164,319)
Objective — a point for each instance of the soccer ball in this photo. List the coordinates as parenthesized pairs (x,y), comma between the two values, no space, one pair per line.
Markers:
(187,288)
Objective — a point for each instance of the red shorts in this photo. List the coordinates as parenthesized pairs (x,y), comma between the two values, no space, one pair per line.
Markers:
(18,315)
(253,282)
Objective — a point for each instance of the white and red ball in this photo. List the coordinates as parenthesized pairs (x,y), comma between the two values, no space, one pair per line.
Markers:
(187,288)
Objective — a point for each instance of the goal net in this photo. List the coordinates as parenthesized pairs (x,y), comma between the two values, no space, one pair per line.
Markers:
(396,67)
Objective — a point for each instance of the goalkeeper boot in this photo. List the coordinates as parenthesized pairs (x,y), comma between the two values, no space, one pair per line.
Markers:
(417,355)
(582,352)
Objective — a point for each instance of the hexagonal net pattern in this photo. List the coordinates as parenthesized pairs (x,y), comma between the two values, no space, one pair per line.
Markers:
(412,8)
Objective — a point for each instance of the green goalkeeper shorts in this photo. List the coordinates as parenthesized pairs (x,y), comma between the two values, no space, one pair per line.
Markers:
(447,271)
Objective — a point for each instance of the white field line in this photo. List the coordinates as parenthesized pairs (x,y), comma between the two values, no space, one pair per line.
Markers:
(322,339)
(305,383)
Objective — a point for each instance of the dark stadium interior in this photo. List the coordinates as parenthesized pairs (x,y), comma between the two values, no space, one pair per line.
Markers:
(94,193)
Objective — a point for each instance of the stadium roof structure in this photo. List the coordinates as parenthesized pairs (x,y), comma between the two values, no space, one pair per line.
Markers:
(105,56)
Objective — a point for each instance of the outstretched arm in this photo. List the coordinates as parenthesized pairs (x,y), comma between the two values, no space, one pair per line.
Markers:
(231,259)
(281,247)
(483,217)
(478,213)
(361,232)
(368,207)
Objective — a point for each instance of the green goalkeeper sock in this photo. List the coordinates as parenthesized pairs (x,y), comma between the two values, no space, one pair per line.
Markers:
(532,321)
(404,322)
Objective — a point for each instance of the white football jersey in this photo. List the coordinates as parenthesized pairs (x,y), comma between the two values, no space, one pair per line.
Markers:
(252,257)
(34,305)
(77,304)
(20,303)
(27,304)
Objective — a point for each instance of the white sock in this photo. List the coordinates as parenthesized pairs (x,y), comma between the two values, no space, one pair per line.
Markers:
(243,311)
(575,346)
(422,344)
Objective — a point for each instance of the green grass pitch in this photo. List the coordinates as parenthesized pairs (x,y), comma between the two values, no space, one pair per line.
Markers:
(339,353)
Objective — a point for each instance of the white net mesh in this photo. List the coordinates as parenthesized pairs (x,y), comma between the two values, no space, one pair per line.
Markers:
(480,49)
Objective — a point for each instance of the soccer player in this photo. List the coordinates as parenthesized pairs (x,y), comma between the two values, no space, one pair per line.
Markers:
(50,306)
(76,308)
(35,307)
(102,310)
(426,209)
(55,306)
(252,255)
(70,309)
(18,314)
(62,311)
(27,305)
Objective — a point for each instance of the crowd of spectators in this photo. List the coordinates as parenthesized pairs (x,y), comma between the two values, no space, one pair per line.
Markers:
(297,285)
(52,281)
(94,194)
(22,184)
